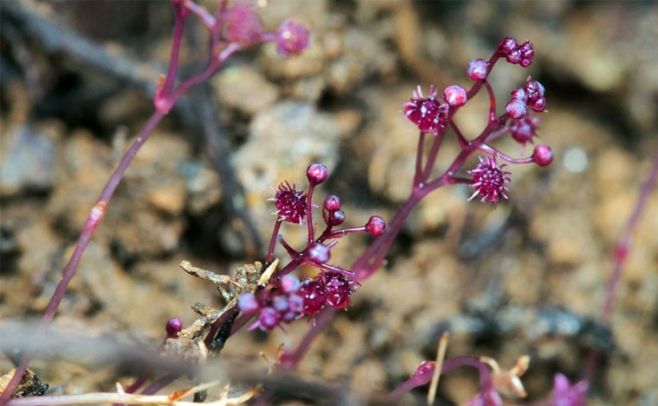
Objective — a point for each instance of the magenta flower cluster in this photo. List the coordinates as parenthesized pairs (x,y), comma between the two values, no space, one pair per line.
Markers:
(434,116)
(243,26)
(515,53)
(286,298)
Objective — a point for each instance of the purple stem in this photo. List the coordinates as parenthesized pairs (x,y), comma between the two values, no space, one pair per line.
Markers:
(273,240)
(625,241)
(404,388)
(309,215)
(497,153)
(206,18)
(172,70)
(450,364)
(93,220)
(290,360)
(342,232)
(163,103)
(620,255)
(419,158)
(492,103)
(431,157)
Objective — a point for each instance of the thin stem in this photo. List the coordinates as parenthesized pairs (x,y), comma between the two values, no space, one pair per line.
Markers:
(172,70)
(620,255)
(468,361)
(431,157)
(342,232)
(206,18)
(419,158)
(273,240)
(625,241)
(463,142)
(289,249)
(97,213)
(290,360)
(309,215)
(497,153)
(94,218)
(492,103)
(373,257)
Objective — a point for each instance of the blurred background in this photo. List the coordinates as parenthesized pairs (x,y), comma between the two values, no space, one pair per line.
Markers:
(525,277)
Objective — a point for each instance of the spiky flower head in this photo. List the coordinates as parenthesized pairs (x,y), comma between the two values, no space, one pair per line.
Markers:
(428,113)
(489,180)
(290,203)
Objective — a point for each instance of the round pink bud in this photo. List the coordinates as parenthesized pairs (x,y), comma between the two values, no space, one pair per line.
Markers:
(291,38)
(478,69)
(243,25)
(539,105)
(319,253)
(289,283)
(523,130)
(508,44)
(519,94)
(336,218)
(173,327)
(542,155)
(317,173)
(455,95)
(332,203)
(516,108)
(376,226)
(514,57)
(248,303)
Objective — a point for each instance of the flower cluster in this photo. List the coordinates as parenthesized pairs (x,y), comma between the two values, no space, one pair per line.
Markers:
(434,115)
(531,95)
(243,26)
(515,53)
(287,298)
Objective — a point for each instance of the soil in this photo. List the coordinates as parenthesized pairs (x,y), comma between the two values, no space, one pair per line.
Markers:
(524,277)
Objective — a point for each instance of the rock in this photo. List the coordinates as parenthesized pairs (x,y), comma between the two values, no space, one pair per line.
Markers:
(27,159)
(244,88)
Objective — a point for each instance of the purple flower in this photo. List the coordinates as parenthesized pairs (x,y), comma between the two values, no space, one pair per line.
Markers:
(428,113)
(290,203)
(566,394)
(489,180)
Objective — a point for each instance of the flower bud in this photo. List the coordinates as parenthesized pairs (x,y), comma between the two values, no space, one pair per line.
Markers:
(477,69)
(455,95)
(542,155)
(317,173)
(174,327)
(291,38)
(376,226)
